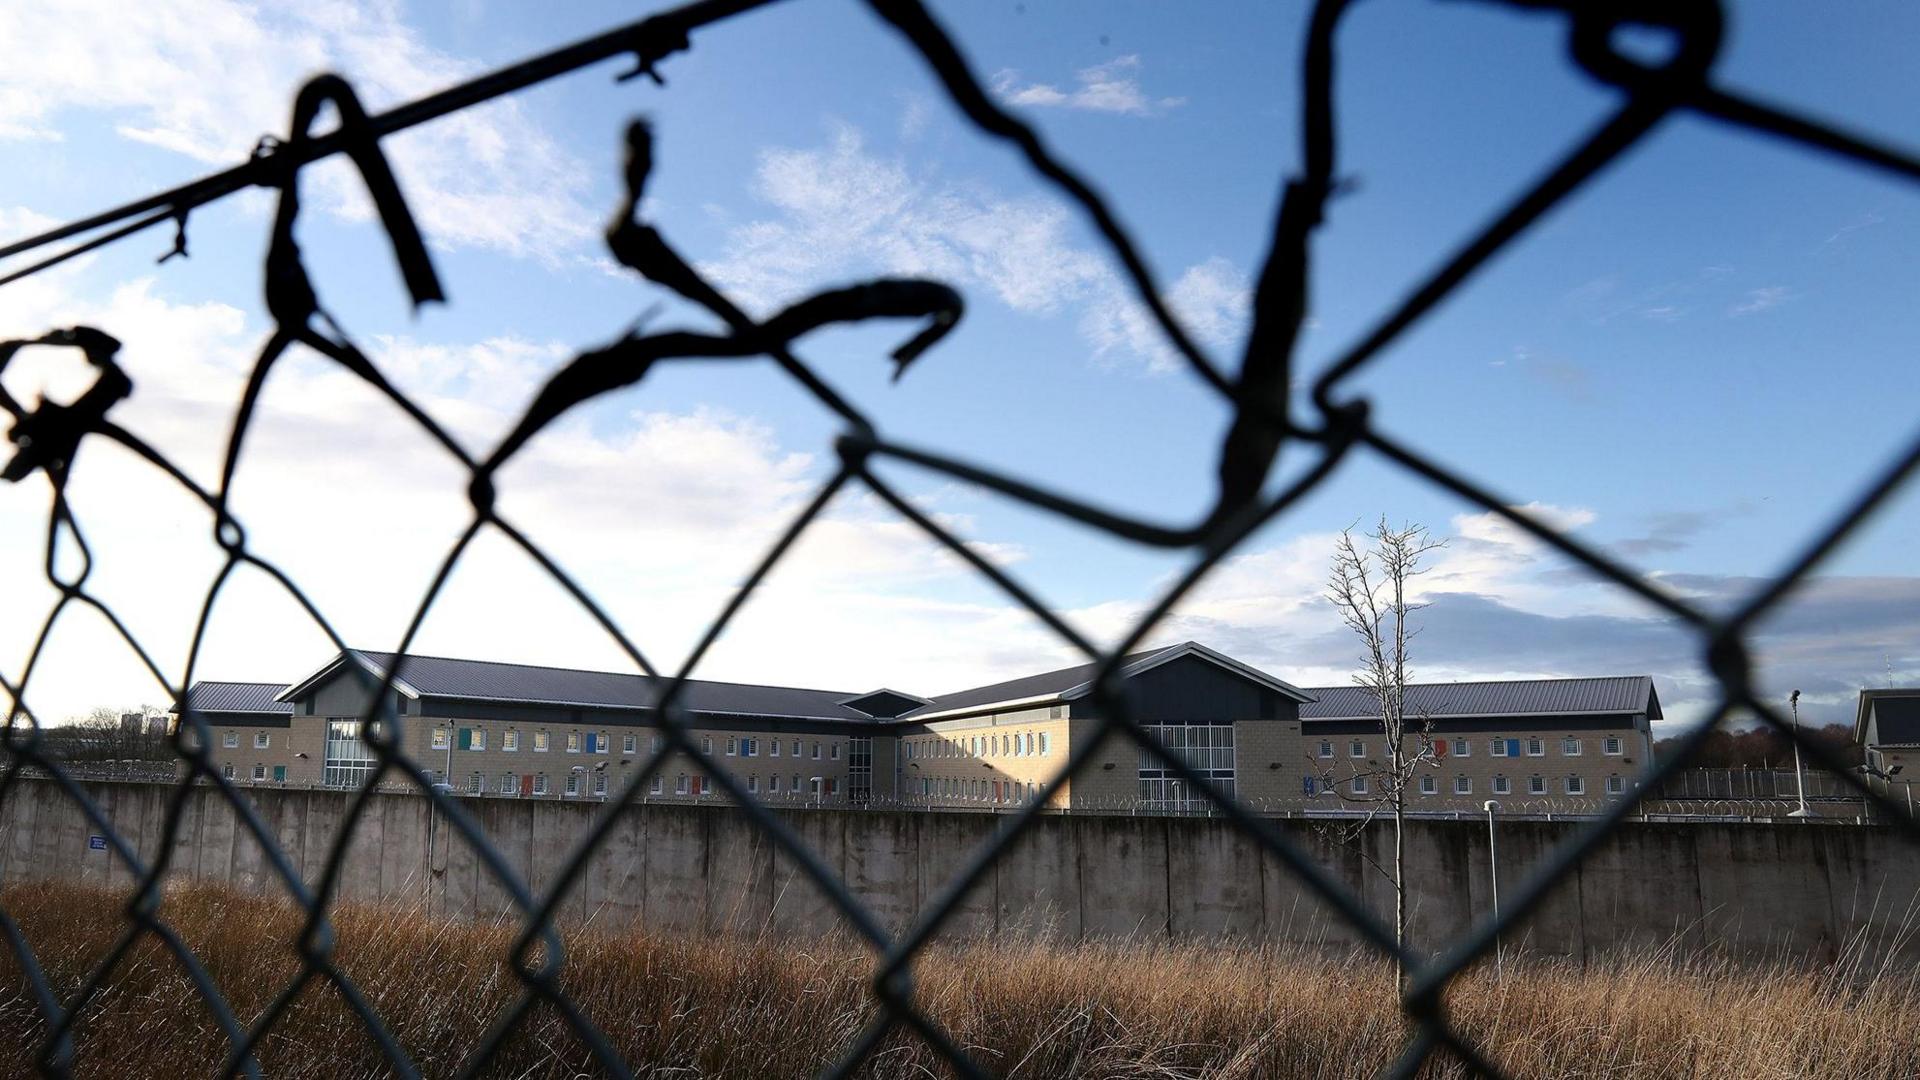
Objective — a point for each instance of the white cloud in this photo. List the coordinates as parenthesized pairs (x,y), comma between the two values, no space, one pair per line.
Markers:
(659,514)
(1112,87)
(1761,299)
(1212,300)
(208,78)
(842,210)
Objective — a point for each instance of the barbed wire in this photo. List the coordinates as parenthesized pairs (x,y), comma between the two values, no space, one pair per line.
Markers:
(48,437)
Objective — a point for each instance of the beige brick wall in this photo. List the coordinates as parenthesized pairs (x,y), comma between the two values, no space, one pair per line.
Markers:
(764,772)
(961,764)
(1482,770)
(1267,763)
(550,768)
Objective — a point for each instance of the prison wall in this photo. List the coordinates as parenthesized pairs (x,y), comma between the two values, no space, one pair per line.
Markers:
(1800,889)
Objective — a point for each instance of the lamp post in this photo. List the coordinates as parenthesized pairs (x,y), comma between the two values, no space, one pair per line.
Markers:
(1493,873)
(1799,773)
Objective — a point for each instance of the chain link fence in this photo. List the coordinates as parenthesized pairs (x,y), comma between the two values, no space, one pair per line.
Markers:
(1329,429)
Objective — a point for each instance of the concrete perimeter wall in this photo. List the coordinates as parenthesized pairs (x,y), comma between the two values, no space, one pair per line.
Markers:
(1748,888)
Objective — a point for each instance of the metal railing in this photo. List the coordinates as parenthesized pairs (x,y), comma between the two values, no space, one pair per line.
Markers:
(1329,429)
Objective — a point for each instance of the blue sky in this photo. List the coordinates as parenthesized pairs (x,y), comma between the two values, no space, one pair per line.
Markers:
(1693,362)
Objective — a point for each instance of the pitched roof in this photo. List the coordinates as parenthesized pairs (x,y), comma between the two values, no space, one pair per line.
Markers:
(1072,682)
(1897,713)
(485,680)
(237,697)
(1519,697)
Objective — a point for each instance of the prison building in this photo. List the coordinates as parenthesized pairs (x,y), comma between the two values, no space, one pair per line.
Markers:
(1530,744)
(1886,726)
(518,730)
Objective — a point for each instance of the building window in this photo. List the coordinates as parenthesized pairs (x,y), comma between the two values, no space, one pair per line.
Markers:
(476,784)
(226,770)
(348,760)
(261,740)
(629,744)
(439,738)
(1536,785)
(1502,786)
(1359,785)
(1576,785)
(730,746)
(1463,785)
(1611,745)
(1309,786)
(1570,747)
(573,782)
(659,784)
(753,784)
(1497,747)
(833,751)
(860,770)
(539,742)
(750,747)
(796,748)
(477,740)
(706,745)
(259,772)
(606,744)
(230,740)
(540,783)
(816,751)
(600,783)
(653,744)
(773,747)
(506,784)
(1428,785)
(1536,748)
(1357,748)
(773,782)
(1046,743)
(573,745)
(510,740)
(1615,786)
(1326,748)
(1205,748)
(1463,748)
(680,784)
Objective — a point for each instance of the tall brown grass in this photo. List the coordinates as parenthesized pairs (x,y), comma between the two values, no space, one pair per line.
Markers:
(728,1007)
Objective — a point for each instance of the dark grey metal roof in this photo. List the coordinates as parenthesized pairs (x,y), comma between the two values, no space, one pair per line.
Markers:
(1897,718)
(483,680)
(237,697)
(1521,697)
(1044,685)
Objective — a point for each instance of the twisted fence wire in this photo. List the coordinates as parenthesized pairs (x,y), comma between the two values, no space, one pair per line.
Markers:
(47,437)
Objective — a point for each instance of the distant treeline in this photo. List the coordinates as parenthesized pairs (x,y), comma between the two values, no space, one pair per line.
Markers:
(1760,747)
(111,744)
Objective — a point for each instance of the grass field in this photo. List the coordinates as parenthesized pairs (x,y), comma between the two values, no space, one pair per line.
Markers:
(685,1007)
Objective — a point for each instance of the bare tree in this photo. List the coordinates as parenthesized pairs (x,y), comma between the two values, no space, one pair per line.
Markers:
(1369,589)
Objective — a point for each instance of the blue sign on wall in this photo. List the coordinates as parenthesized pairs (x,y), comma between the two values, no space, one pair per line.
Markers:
(96,843)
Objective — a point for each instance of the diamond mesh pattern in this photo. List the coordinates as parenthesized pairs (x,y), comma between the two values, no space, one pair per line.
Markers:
(1335,428)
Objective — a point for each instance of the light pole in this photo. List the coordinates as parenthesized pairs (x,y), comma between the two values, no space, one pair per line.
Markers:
(1799,773)
(1493,873)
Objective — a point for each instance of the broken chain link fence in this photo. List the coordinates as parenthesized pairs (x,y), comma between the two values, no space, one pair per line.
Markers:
(1336,426)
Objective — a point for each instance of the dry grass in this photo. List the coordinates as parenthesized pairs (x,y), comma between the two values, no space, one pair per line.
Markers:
(683,1007)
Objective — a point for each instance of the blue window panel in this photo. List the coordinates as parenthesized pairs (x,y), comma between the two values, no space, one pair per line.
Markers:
(1513,747)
